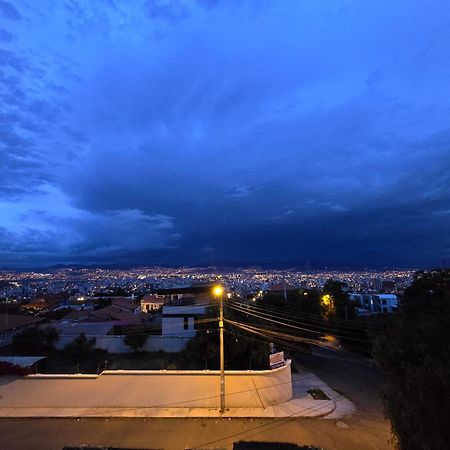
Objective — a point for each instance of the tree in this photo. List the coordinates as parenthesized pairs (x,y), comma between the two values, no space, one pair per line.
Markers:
(242,350)
(414,357)
(35,341)
(335,300)
(80,348)
(135,341)
(302,301)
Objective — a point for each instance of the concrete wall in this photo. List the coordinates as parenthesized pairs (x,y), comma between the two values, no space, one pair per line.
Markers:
(148,389)
(115,344)
(173,319)
(174,326)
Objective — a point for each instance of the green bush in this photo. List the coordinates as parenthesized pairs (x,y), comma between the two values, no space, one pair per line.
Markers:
(414,356)
(135,341)
(80,348)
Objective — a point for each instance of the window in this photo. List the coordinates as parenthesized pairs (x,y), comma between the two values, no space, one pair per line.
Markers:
(186,323)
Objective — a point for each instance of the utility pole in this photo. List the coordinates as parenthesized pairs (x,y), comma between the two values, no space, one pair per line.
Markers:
(218,293)
(222,360)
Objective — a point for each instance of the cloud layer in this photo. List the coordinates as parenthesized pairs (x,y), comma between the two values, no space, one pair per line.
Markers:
(181,132)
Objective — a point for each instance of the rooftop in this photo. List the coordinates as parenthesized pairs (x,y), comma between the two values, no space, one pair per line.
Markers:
(22,361)
(281,287)
(13,321)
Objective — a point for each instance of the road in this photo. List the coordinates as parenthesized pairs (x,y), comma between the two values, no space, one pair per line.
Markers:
(354,377)
(176,434)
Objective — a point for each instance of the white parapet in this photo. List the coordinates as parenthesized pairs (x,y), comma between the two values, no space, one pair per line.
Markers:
(152,388)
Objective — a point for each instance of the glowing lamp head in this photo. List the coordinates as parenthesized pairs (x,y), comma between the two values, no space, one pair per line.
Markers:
(217,291)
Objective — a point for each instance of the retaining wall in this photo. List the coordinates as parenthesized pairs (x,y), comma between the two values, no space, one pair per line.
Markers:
(171,388)
(115,344)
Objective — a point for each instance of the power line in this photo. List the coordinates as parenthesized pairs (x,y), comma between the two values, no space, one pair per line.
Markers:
(263,315)
(308,316)
(287,344)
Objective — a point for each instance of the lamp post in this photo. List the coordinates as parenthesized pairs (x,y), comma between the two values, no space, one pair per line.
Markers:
(218,293)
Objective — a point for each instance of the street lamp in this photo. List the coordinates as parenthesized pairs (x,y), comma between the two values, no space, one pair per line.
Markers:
(218,293)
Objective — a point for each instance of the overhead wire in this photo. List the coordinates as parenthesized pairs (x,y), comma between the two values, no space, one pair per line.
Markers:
(279,335)
(290,345)
(302,328)
(307,316)
(263,315)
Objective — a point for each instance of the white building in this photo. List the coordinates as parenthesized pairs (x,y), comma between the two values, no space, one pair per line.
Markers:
(180,320)
(375,303)
(385,303)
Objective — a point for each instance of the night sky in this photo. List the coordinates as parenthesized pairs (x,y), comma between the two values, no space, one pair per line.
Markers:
(240,131)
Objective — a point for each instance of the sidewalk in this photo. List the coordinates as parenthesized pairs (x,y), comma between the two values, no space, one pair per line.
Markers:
(301,405)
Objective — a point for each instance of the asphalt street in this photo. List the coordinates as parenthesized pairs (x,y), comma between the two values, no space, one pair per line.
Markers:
(53,434)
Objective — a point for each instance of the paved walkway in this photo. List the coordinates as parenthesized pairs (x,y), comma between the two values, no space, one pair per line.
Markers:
(301,405)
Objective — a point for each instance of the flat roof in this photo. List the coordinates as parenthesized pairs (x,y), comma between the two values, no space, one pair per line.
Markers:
(22,361)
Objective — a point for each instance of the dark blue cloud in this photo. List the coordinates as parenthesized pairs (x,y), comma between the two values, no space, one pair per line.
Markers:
(9,11)
(172,11)
(188,131)
(5,36)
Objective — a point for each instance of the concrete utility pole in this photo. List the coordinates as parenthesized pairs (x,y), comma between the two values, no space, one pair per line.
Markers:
(222,360)
(218,293)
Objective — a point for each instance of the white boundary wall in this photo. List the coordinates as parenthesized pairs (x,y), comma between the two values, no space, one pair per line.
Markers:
(115,344)
(141,389)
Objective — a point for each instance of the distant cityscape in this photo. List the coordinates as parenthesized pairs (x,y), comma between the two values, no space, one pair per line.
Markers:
(169,305)
(21,286)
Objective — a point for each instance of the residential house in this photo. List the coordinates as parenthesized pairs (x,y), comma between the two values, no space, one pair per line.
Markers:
(183,295)
(180,320)
(386,303)
(114,312)
(375,303)
(153,302)
(281,289)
